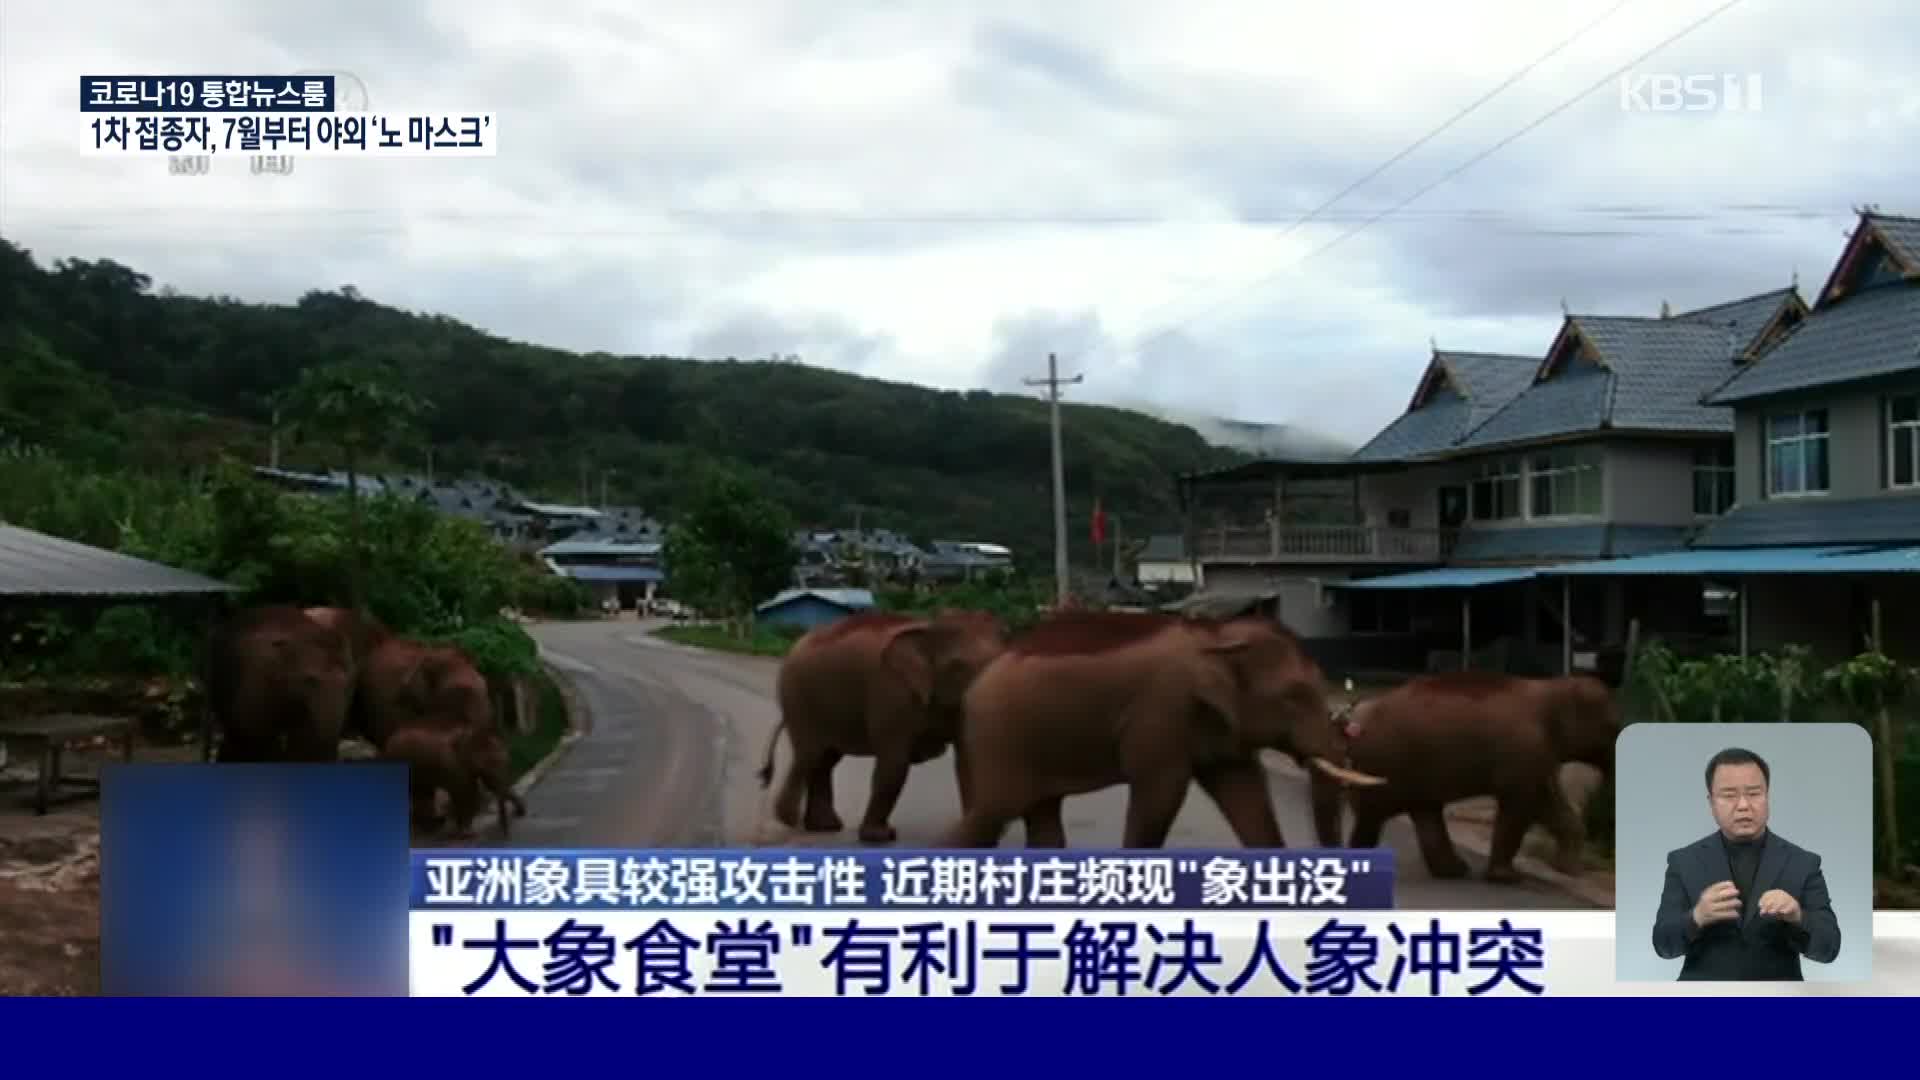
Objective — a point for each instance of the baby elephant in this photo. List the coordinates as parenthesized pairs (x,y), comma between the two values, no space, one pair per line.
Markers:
(458,761)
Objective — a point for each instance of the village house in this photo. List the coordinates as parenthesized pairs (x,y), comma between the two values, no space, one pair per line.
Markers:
(1823,538)
(1432,535)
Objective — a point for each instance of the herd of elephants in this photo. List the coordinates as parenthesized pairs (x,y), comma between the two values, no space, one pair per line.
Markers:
(1082,701)
(288,684)
(1159,702)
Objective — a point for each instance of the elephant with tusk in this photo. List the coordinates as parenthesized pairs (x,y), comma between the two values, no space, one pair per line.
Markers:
(1441,738)
(1086,700)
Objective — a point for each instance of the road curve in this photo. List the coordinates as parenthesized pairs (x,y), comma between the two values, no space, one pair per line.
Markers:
(677,734)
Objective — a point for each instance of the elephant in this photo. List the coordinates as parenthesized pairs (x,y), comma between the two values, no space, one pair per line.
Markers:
(365,635)
(406,683)
(1086,700)
(877,684)
(459,761)
(1445,737)
(278,687)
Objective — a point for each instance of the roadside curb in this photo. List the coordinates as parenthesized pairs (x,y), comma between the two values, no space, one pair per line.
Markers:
(579,722)
(1469,840)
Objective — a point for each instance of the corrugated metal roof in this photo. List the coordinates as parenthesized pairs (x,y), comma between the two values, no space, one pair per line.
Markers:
(1446,577)
(558,510)
(33,564)
(600,547)
(613,573)
(853,599)
(1729,561)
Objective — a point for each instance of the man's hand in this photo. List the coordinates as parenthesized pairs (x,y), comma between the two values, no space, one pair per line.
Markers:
(1779,904)
(1719,903)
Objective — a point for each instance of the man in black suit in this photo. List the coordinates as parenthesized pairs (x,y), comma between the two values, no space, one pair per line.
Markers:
(1743,904)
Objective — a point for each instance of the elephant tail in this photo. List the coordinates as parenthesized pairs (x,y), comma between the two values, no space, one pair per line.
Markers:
(766,767)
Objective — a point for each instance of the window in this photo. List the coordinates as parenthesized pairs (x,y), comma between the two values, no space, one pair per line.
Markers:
(1797,453)
(1713,483)
(1496,491)
(1565,482)
(1903,441)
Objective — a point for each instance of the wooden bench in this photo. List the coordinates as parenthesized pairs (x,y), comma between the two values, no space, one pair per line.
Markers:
(48,735)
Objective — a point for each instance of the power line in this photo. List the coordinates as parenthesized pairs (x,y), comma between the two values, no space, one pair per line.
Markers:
(1143,341)
(1469,109)
(403,217)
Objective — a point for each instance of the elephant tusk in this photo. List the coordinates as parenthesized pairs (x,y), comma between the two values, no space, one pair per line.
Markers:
(1345,775)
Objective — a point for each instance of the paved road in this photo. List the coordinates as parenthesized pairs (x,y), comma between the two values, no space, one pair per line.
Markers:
(678,733)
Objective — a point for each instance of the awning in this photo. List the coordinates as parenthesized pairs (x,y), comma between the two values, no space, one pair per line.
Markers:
(1447,577)
(1733,562)
(614,573)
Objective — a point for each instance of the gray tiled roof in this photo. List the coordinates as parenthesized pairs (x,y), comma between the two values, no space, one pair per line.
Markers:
(1873,520)
(1477,385)
(1566,542)
(1653,373)
(1870,334)
(1902,234)
(33,564)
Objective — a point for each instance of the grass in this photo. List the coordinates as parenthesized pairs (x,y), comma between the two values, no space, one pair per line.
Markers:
(762,642)
(525,751)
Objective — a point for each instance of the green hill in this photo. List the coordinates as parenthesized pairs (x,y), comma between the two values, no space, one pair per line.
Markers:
(96,364)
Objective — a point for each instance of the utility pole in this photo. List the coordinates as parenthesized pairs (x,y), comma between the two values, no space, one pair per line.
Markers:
(1053,382)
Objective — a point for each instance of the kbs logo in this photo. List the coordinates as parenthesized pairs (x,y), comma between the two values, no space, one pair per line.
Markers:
(1690,93)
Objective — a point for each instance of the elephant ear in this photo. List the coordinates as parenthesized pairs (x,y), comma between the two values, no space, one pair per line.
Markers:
(422,684)
(1220,684)
(909,655)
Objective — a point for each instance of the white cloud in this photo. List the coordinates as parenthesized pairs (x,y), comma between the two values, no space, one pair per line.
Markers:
(943,192)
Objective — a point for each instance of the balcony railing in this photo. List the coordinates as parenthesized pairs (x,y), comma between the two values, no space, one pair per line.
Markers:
(1324,543)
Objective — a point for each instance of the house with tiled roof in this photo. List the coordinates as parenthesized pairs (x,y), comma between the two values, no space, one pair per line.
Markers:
(1599,448)
(1822,540)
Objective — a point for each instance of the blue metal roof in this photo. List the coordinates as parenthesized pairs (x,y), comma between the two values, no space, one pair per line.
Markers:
(1852,559)
(1446,577)
(614,573)
(851,599)
(601,547)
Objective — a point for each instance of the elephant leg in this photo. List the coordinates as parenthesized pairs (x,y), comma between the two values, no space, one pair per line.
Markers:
(1045,826)
(1436,846)
(982,825)
(1368,822)
(1239,789)
(820,816)
(463,806)
(962,775)
(1569,830)
(1512,818)
(1153,801)
(244,748)
(1328,809)
(890,767)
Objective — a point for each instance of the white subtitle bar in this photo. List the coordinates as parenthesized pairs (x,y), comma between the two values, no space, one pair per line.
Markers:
(342,134)
(894,953)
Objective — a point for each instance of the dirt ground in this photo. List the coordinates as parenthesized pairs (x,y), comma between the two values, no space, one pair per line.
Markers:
(50,877)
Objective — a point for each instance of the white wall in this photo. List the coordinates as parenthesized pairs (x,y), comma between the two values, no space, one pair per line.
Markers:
(1157,571)
(1415,490)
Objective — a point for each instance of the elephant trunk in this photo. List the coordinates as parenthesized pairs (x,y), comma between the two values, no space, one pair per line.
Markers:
(766,767)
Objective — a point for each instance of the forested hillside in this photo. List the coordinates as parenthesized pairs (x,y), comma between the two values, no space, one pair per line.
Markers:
(99,363)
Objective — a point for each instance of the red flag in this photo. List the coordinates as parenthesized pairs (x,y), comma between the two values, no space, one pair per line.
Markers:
(1099,524)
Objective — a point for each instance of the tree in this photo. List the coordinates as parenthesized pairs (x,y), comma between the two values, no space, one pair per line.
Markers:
(358,408)
(729,547)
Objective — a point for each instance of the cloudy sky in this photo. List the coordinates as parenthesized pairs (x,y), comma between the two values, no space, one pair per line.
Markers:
(943,191)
